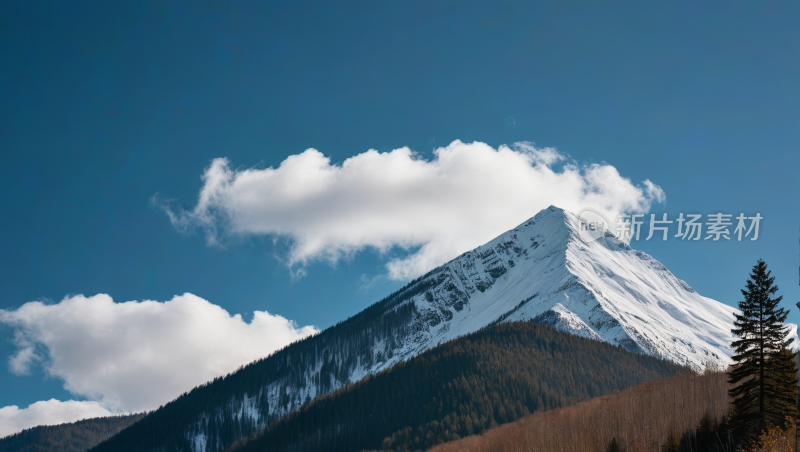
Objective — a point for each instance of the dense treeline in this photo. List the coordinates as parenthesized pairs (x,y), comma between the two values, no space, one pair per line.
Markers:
(75,437)
(213,411)
(463,387)
(689,409)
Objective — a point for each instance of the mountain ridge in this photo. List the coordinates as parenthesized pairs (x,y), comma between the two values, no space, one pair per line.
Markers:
(541,270)
(67,437)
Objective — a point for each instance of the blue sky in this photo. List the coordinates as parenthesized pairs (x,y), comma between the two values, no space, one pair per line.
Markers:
(104,105)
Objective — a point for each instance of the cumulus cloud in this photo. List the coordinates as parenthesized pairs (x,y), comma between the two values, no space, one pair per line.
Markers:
(135,356)
(466,195)
(50,412)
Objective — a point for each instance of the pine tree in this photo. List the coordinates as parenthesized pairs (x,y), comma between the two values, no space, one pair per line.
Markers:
(784,379)
(764,383)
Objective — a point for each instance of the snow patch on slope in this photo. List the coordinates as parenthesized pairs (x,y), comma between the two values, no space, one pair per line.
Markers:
(565,320)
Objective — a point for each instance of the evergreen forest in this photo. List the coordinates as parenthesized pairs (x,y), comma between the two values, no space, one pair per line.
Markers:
(467,386)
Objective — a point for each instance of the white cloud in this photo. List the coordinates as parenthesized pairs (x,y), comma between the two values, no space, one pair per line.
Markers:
(135,356)
(50,412)
(464,197)
(20,363)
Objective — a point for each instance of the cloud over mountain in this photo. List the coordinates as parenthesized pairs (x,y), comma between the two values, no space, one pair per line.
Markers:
(134,356)
(466,195)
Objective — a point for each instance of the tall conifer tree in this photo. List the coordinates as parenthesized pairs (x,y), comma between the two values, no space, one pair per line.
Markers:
(764,381)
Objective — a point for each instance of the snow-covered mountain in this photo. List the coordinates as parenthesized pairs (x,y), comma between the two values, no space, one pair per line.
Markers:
(540,271)
(605,290)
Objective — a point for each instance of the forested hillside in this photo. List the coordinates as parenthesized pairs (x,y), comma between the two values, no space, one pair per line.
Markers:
(686,407)
(75,437)
(466,386)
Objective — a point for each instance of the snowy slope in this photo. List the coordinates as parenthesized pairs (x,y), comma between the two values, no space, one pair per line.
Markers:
(543,271)
(540,271)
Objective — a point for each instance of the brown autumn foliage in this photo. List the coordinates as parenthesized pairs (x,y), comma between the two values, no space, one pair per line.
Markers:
(640,418)
(775,439)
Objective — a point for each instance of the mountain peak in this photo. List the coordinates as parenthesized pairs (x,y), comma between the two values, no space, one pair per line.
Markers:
(540,271)
(543,271)
(551,213)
